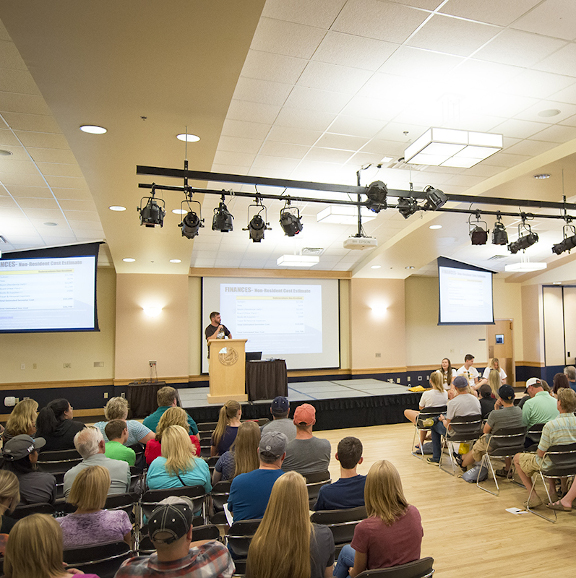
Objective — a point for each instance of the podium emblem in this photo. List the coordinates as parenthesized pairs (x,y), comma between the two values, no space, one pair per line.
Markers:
(228,356)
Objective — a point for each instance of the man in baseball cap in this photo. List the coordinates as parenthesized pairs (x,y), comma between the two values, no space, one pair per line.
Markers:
(280,409)
(170,529)
(307,453)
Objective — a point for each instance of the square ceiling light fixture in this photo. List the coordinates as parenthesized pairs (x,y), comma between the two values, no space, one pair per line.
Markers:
(297,261)
(343,215)
(452,148)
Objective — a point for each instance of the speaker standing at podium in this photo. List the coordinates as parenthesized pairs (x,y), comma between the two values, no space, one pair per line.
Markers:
(216,330)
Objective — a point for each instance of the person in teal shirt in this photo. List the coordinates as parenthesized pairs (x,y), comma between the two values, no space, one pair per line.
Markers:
(117,434)
(166,398)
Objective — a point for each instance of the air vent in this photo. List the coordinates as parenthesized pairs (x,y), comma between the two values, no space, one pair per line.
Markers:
(316,251)
(498,257)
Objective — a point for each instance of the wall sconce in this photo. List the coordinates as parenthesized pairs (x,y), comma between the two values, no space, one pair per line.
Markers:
(152,311)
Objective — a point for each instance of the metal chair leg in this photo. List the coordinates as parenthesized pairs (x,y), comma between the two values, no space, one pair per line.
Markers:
(529,509)
(486,458)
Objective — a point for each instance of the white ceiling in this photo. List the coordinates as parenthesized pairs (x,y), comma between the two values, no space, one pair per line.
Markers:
(307,90)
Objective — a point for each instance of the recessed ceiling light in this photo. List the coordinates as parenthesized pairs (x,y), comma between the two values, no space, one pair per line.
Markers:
(385,160)
(188,137)
(376,267)
(117,208)
(49,224)
(93,129)
(175,260)
(179,211)
(549,112)
(557,283)
(409,267)
(128,260)
(435,227)
(5,153)
(542,176)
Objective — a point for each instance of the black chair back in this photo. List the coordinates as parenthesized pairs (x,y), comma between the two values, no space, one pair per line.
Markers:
(58,461)
(465,428)
(207,532)
(341,522)
(197,494)
(418,569)
(429,412)
(507,442)
(23,511)
(220,493)
(240,535)
(102,560)
(563,458)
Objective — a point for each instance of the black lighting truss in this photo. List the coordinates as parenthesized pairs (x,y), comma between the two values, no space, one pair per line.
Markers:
(346,189)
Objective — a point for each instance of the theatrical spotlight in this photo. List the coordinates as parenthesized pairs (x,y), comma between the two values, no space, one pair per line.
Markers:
(191,223)
(524,241)
(435,198)
(257,225)
(499,234)
(290,220)
(152,214)
(407,206)
(222,220)
(478,235)
(376,193)
(569,241)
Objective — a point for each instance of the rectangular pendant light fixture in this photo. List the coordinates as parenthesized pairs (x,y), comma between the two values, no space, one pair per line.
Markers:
(343,215)
(297,261)
(452,148)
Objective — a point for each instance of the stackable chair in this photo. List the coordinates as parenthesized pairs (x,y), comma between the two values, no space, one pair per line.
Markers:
(426,413)
(341,523)
(23,511)
(535,433)
(418,569)
(238,539)
(197,494)
(314,482)
(58,461)
(207,532)
(464,429)
(219,495)
(102,560)
(563,458)
(504,443)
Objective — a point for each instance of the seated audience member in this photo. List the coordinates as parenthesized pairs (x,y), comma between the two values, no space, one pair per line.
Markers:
(558,431)
(280,410)
(540,408)
(117,434)
(462,405)
(56,426)
(564,504)
(392,533)
(486,400)
(493,365)
(177,466)
(35,550)
(504,415)
(250,492)
(170,529)
(570,373)
(470,373)
(167,397)
(526,397)
(22,420)
(435,397)
(287,544)
(560,381)
(447,373)
(348,491)
(306,454)
(226,428)
(117,408)
(20,456)
(90,524)
(90,445)
(172,416)
(242,457)
(9,499)
(494,381)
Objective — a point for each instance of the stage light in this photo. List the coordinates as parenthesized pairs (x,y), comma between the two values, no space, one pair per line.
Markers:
(407,206)
(523,243)
(435,198)
(499,234)
(478,234)
(290,220)
(569,241)
(190,225)
(376,194)
(256,228)
(222,220)
(152,214)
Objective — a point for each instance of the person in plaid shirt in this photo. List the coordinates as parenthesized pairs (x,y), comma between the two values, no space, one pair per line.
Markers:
(170,529)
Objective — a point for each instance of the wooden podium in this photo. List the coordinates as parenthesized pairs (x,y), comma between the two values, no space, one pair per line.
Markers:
(227,370)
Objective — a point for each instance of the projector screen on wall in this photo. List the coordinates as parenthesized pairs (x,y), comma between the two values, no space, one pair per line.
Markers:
(465,294)
(48,290)
(292,319)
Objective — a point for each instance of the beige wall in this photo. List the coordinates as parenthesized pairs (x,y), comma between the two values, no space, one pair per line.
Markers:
(195,325)
(345,345)
(140,338)
(532,331)
(377,323)
(50,351)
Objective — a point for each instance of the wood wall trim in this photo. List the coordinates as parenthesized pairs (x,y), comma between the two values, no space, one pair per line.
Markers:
(168,380)
(530,363)
(269,273)
(56,384)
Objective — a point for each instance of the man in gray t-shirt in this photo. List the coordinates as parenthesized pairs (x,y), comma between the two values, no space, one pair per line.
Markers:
(280,408)
(306,454)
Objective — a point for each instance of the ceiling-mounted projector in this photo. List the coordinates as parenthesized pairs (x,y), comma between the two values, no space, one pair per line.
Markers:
(360,243)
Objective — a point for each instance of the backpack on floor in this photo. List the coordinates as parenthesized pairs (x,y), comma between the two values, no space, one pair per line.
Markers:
(475,474)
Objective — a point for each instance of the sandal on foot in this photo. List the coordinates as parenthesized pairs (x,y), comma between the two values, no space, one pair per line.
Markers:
(559,506)
(534,501)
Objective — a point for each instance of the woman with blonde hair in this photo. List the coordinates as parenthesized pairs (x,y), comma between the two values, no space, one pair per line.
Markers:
(22,420)
(117,408)
(392,533)
(287,544)
(494,363)
(177,466)
(9,498)
(90,524)
(227,428)
(172,416)
(34,550)
(242,457)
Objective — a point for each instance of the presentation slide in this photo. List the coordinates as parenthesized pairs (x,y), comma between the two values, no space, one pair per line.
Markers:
(465,294)
(50,294)
(295,320)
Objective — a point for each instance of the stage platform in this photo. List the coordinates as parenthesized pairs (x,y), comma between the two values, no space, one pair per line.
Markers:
(339,404)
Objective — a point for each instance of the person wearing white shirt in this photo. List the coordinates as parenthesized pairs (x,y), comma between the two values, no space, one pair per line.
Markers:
(469,372)
(493,364)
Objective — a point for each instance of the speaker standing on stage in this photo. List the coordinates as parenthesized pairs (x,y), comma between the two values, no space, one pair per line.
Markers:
(216,330)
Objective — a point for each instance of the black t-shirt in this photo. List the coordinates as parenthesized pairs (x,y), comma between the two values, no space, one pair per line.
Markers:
(7,524)
(321,551)
(37,488)
(62,438)
(211,329)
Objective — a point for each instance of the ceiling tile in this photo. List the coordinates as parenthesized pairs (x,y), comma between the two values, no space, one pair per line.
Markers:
(376,109)
(328,155)
(340,141)
(7,138)
(314,99)
(473,75)
(422,64)
(395,132)
(87,216)
(261,91)
(498,104)
(34,203)
(60,169)
(380,20)
(66,182)
(234,158)
(452,35)
(561,62)
(519,128)
(252,112)
(239,128)
(571,121)
(42,140)
(10,57)
(31,122)
(40,192)
(490,11)
(23,103)
(52,155)
(9,165)
(277,149)
(365,158)
(18,81)
(273,67)
(281,37)
(506,160)
(355,126)
(392,88)
(426,4)
(294,135)
(530,147)
(53,215)
(67,205)
(533,113)
(536,84)
(32,180)
(264,162)
(72,194)
(354,51)
(557,134)
(383,147)
(319,13)
(333,77)
(305,119)
(239,145)
(551,18)
(519,48)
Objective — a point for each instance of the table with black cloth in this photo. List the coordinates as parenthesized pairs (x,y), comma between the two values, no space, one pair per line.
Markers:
(266,379)
(142,397)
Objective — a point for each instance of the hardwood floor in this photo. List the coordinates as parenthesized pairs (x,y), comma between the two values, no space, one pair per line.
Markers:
(468,532)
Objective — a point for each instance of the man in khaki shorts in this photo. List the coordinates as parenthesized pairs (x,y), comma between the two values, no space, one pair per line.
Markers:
(559,431)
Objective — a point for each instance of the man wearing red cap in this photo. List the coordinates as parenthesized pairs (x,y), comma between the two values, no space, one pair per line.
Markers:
(306,454)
